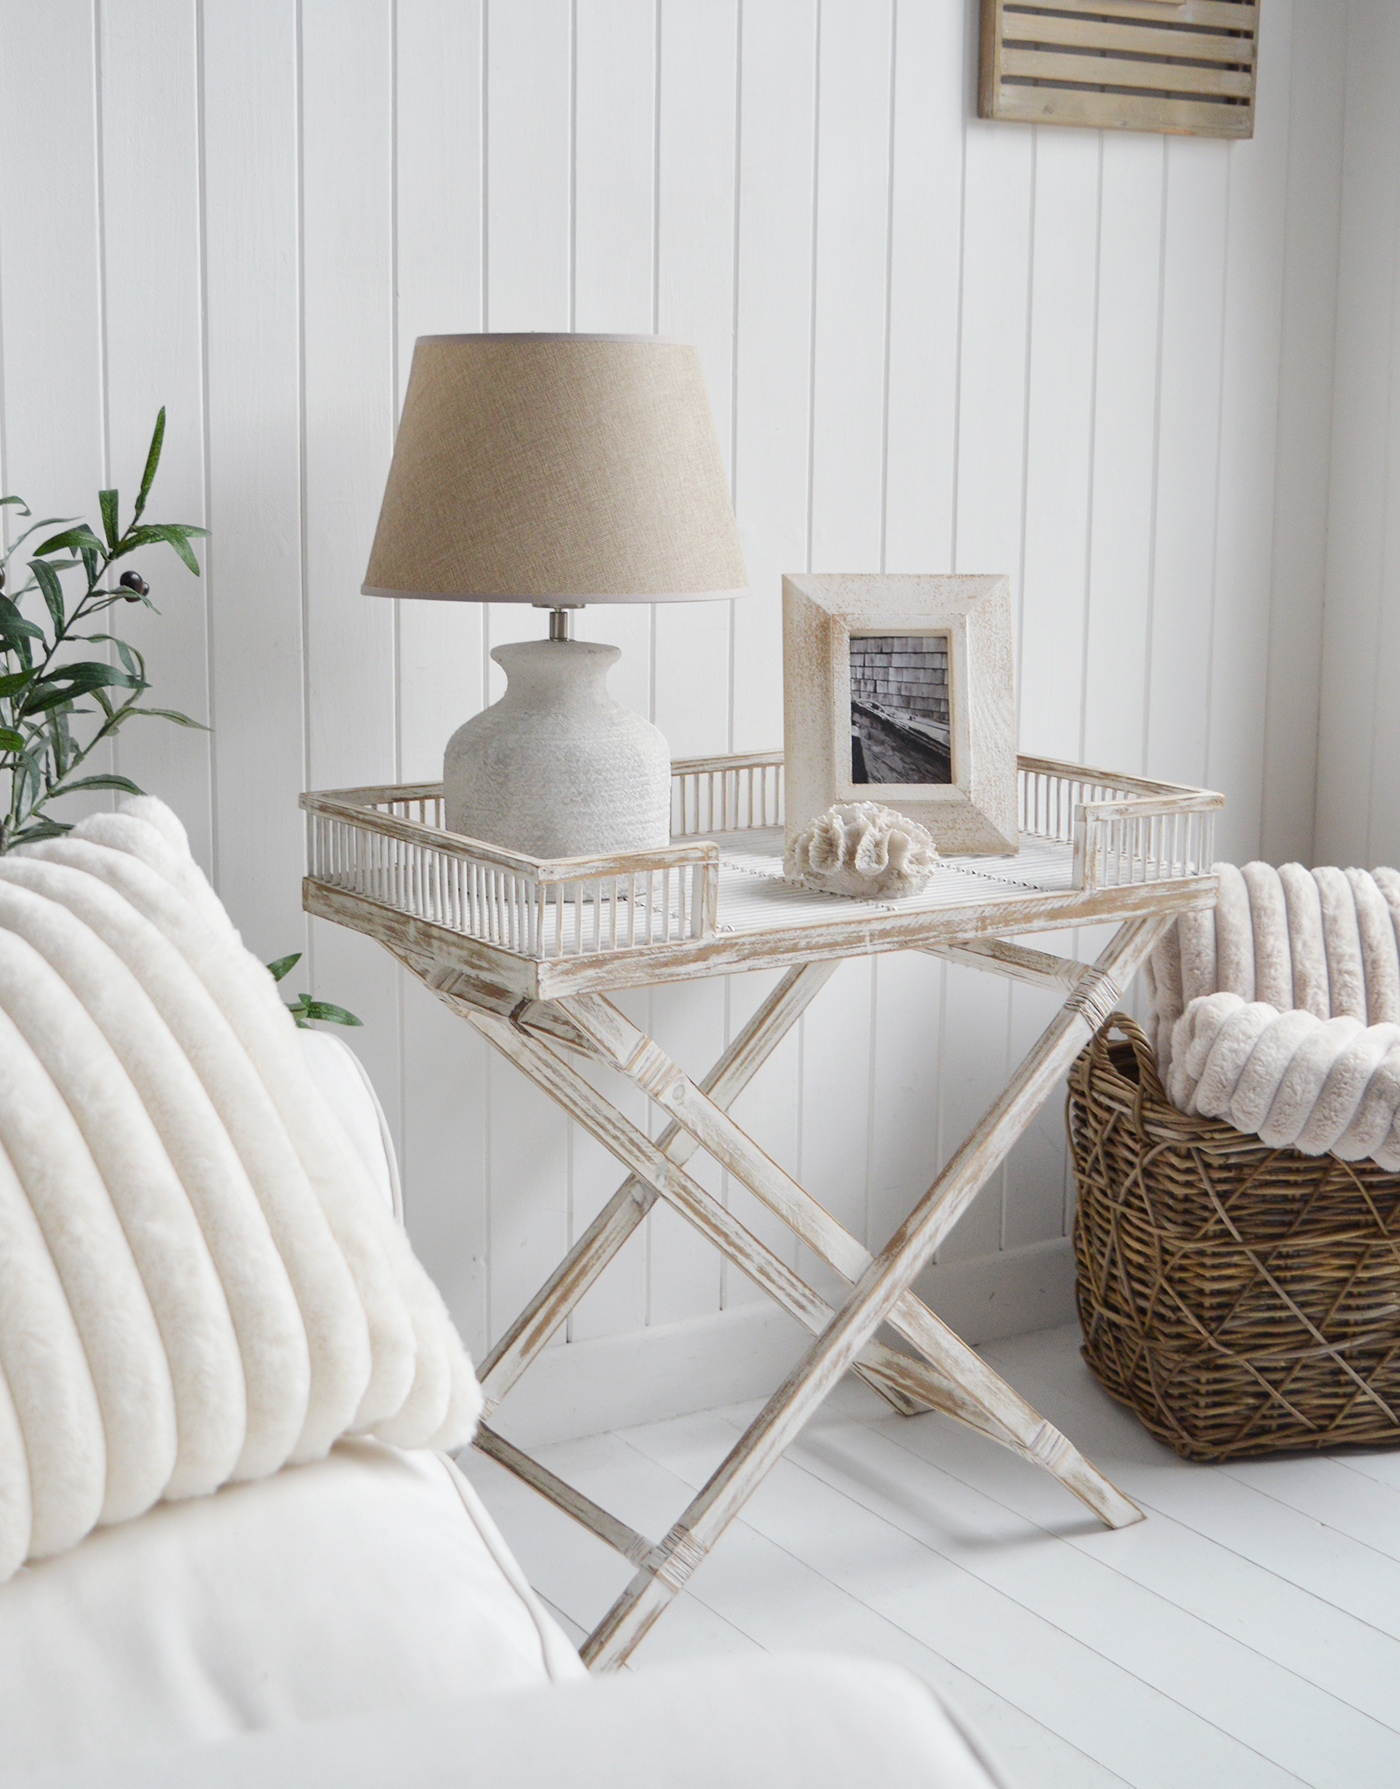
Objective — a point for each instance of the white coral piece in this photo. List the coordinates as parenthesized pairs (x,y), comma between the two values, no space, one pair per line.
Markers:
(861,848)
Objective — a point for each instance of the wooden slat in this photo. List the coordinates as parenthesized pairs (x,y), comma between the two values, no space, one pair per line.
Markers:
(1122,71)
(1109,779)
(1227,15)
(1158,69)
(781,947)
(1142,40)
(1037,968)
(726,761)
(421,938)
(341,804)
(632,1546)
(1123,111)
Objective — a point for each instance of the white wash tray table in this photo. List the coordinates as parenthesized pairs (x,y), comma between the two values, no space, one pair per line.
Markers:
(527,951)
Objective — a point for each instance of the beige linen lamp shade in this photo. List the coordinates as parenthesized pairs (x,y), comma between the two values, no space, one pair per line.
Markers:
(556,469)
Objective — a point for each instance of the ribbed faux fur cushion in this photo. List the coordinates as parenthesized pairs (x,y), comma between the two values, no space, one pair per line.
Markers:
(1280,1010)
(198,1282)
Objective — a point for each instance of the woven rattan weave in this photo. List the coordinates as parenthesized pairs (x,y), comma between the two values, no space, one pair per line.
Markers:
(1239,1299)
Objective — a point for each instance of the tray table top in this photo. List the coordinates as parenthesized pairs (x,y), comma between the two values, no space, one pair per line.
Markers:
(1094,847)
(754,894)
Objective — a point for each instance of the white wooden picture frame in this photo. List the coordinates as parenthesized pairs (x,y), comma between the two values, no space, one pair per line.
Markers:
(974,809)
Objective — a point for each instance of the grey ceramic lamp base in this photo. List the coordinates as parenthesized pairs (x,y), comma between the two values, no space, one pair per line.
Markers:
(557,768)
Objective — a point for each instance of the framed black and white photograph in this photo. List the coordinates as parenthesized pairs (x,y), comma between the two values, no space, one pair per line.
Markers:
(901,719)
(899,689)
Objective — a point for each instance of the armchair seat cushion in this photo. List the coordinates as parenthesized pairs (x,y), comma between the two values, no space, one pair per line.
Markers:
(799,1722)
(366,1581)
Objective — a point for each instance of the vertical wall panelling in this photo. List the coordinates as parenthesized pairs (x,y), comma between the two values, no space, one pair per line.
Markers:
(1188,521)
(50,273)
(973,1069)
(1125,431)
(153,313)
(770,1110)
(1059,440)
(347,104)
(906,1068)
(1101,364)
(849,309)
(697,125)
(1317,77)
(1358,796)
(529,129)
(253,358)
(773,344)
(438,212)
(1033,1209)
(683,1273)
(1364,416)
(925,279)
(1250,372)
(1377,836)
(56,444)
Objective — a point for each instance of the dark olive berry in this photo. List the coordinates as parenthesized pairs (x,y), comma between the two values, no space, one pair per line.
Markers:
(132,580)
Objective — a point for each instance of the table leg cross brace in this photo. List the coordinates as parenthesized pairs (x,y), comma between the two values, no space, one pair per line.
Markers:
(986,1401)
(949,1376)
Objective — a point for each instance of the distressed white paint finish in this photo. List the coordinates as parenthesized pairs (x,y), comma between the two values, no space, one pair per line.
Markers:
(1099,365)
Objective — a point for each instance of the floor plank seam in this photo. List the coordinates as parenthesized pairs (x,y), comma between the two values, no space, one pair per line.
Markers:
(996,1590)
(1150,1590)
(1195,1646)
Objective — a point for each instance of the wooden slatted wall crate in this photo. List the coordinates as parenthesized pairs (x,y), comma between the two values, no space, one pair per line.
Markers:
(1184,66)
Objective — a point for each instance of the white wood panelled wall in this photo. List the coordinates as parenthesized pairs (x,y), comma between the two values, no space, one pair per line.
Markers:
(1358,810)
(1099,363)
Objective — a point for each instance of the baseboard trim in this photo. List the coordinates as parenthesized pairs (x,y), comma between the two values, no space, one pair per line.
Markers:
(646,1375)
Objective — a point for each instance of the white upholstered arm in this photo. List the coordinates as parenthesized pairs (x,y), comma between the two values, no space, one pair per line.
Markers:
(348,1091)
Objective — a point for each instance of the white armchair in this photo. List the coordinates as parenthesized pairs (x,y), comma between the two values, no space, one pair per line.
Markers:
(359,1621)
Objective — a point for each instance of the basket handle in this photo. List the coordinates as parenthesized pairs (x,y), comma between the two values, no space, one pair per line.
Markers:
(1143,1054)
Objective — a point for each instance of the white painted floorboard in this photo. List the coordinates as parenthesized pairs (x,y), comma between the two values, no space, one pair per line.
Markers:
(1248,1633)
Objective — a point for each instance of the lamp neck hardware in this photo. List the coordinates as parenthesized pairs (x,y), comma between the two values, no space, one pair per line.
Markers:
(561,626)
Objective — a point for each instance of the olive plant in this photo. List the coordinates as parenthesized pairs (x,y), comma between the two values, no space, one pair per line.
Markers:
(57,706)
(305,1008)
(46,732)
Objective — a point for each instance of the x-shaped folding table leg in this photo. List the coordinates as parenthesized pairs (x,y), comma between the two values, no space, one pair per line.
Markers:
(944,1374)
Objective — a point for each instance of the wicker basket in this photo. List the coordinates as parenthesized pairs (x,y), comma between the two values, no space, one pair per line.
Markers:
(1239,1299)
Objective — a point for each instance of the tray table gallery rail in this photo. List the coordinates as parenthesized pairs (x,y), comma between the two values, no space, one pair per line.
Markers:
(527,951)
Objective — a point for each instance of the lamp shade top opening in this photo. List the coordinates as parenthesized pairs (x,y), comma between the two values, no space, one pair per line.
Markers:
(566,468)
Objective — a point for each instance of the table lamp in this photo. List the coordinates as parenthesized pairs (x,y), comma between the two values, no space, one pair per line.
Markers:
(557,470)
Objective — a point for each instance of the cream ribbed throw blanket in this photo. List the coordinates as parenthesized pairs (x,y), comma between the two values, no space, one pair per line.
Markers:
(1280,1010)
(198,1282)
